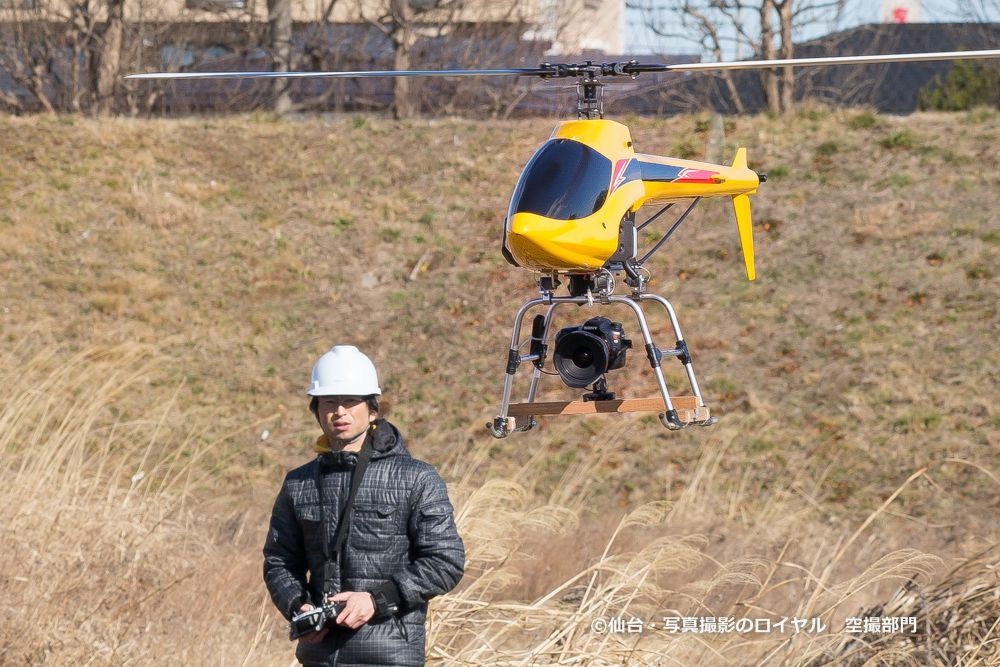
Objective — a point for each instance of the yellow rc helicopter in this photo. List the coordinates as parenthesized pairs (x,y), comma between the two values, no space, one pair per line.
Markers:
(572,218)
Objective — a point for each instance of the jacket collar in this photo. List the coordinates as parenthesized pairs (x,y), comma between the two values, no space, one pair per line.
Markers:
(386,441)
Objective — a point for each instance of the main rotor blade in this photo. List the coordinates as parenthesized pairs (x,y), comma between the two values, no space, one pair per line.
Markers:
(595,71)
(328,75)
(834,60)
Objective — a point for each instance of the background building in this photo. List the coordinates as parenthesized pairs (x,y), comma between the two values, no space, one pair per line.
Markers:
(902,11)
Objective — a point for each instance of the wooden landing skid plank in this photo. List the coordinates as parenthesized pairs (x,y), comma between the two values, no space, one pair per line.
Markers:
(686,403)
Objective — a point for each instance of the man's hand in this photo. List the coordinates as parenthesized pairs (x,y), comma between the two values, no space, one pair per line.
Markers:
(312,637)
(358,608)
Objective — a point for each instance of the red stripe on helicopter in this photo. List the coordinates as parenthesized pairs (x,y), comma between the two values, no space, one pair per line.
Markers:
(697,176)
(618,176)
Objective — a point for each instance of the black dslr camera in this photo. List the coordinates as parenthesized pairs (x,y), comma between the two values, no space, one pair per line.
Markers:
(586,352)
(315,619)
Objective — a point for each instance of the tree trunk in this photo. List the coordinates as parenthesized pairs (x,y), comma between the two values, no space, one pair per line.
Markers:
(768,78)
(734,93)
(403,105)
(86,55)
(36,84)
(727,76)
(279,16)
(787,51)
(109,57)
(26,58)
(402,99)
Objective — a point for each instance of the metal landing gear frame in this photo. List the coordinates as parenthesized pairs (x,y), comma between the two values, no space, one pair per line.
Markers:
(674,413)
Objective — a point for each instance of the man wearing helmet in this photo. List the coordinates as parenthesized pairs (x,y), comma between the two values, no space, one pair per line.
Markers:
(363,525)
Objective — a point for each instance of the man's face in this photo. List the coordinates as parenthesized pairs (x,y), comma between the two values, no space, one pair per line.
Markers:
(343,418)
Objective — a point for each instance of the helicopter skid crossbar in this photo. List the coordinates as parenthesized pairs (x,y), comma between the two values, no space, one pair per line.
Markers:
(687,407)
(674,413)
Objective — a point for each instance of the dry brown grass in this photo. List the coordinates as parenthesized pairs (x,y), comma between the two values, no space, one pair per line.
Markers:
(111,557)
(960,615)
(106,548)
(165,289)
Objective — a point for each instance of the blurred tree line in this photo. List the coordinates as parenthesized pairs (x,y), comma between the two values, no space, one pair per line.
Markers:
(72,55)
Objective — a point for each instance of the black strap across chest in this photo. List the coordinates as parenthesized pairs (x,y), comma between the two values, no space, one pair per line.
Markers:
(332,554)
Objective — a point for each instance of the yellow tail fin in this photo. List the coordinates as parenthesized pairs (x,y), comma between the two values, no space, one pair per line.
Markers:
(740,161)
(741,207)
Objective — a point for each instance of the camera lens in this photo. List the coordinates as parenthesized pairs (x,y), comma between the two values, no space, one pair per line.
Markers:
(583,357)
(584,353)
(580,357)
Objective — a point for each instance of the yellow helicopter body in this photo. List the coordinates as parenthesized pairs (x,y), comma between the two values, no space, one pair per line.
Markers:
(570,200)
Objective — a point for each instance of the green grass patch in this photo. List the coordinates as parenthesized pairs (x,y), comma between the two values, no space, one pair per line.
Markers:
(897,180)
(828,148)
(863,121)
(685,150)
(902,139)
(979,271)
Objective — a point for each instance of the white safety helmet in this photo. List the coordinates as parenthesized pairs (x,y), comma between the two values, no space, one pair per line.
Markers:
(344,371)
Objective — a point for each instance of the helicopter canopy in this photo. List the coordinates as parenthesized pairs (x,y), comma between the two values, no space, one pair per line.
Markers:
(565,180)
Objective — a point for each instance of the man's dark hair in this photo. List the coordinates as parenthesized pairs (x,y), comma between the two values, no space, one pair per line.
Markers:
(372,402)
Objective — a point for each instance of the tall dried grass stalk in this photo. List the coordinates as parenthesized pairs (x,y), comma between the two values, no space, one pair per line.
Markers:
(957,621)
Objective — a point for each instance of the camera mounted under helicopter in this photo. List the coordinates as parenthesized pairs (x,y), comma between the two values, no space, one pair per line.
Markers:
(584,354)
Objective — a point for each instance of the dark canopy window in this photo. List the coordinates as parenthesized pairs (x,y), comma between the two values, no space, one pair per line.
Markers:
(565,180)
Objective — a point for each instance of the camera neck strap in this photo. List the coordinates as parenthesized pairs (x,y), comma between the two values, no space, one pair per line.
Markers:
(332,555)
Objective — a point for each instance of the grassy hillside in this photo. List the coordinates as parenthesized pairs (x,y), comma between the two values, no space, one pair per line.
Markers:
(215,259)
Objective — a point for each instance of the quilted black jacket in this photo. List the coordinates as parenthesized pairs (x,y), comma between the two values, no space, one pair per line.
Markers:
(403,531)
